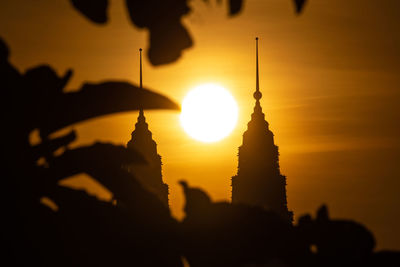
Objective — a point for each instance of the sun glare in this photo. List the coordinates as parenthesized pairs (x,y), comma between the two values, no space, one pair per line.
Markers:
(209,113)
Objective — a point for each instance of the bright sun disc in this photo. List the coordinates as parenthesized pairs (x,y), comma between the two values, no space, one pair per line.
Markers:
(209,113)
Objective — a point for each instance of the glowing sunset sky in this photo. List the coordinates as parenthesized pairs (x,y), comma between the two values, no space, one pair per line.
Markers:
(330,82)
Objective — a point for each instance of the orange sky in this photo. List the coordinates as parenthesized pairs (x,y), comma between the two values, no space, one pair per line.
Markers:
(330,82)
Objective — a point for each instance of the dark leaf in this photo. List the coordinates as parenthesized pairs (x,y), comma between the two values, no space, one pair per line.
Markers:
(322,213)
(104,163)
(44,82)
(235,6)
(95,10)
(4,51)
(299,4)
(168,43)
(168,36)
(47,147)
(97,156)
(94,100)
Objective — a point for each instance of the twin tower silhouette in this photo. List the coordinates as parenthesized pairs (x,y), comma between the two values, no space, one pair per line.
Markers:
(258,180)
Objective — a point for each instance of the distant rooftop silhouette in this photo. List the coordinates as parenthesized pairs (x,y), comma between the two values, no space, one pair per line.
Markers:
(259,181)
(150,174)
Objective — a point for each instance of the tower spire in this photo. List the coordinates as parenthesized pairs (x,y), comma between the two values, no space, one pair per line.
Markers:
(257,94)
(140,52)
(141,113)
(257,76)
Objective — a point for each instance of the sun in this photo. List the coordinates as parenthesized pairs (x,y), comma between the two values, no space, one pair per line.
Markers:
(209,113)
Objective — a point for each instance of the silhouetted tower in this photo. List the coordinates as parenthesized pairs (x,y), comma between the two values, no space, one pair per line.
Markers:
(259,181)
(150,174)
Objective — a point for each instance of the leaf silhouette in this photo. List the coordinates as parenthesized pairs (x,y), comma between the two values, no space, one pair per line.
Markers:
(94,100)
(96,156)
(299,4)
(104,163)
(49,146)
(235,6)
(168,36)
(95,10)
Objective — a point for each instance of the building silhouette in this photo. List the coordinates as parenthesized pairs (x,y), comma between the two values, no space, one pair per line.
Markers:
(259,180)
(150,174)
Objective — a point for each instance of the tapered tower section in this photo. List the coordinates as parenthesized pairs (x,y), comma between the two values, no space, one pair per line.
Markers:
(150,174)
(259,180)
